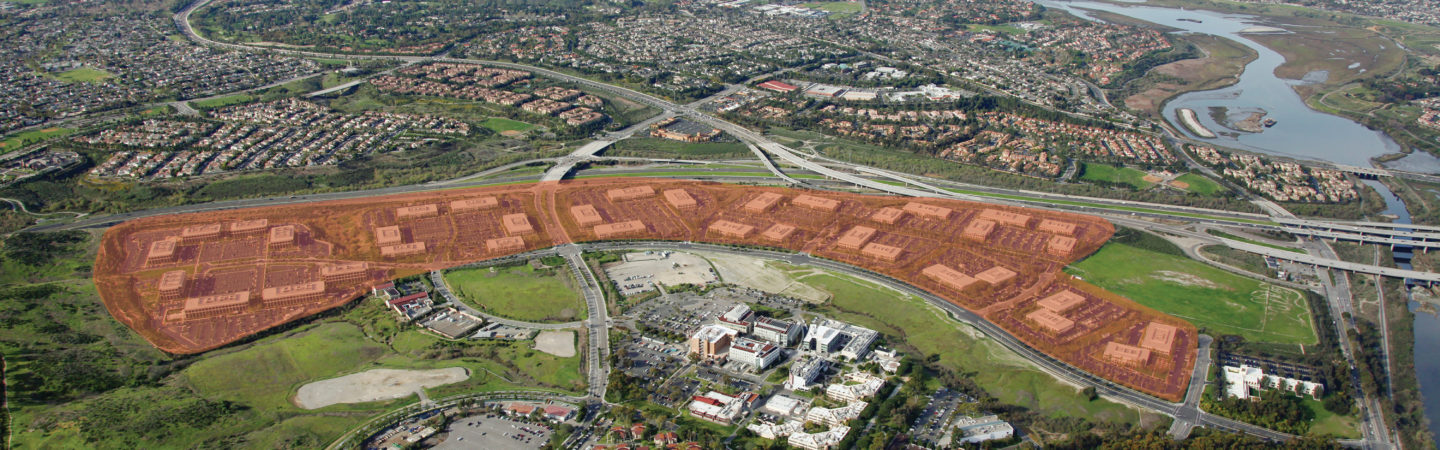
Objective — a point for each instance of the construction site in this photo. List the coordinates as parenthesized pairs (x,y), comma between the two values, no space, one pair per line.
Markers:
(194,282)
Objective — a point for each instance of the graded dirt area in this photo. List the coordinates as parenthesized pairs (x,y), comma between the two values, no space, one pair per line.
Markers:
(558,343)
(996,261)
(375,385)
(756,274)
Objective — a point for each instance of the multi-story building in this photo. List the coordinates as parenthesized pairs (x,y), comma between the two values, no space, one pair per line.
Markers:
(780,332)
(738,318)
(712,342)
(756,354)
(805,373)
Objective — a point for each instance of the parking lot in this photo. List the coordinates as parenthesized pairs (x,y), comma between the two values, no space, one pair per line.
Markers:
(641,270)
(493,433)
(935,420)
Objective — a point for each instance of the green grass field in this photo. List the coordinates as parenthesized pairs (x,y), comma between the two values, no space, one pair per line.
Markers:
(20,139)
(84,74)
(1112,174)
(500,124)
(222,101)
(520,293)
(1002,373)
(1246,240)
(1211,298)
(1200,185)
(837,9)
(1326,422)
(1005,28)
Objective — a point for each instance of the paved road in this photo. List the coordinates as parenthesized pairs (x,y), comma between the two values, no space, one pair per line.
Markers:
(597,324)
(1188,415)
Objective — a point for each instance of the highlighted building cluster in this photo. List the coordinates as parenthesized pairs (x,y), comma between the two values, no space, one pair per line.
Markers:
(190,286)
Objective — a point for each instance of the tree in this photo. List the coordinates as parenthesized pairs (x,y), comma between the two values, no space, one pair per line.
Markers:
(1089,393)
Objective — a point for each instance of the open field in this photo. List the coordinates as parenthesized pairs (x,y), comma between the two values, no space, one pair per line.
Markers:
(1119,175)
(1213,299)
(1008,261)
(1345,54)
(1218,233)
(558,343)
(219,102)
(374,385)
(837,9)
(84,74)
(520,293)
(1329,423)
(18,140)
(929,331)
(500,125)
(1199,184)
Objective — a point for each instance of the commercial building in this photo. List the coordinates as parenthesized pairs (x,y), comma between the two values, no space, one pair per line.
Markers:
(162,251)
(882,252)
(777,86)
(516,224)
(783,406)
(816,203)
(281,236)
(762,203)
(1060,245)
(249,227)
(411,306)
(416,212)
(855,387)
(388,235)
(948,277)
(835,417)
(1005,217)
(978,230)
(825,440)
(757,354)
(216,305)
(680,199)
(1056,227)
(996,275)
(856,237)
(1158,337)
(505,244)
(778,232)
(396,251)
(615,230)
(780,332)
(200,233)
(712,342)
(630,193)
(1062,301)
(1240,380)
(805,373)
(1050,321)
(474,204)
(720,408)
(730,229)
(832,336)
(887,215)
(171,285)
(975,430)
(292,294)
(738,318)
(929,211)
(586,215)
(344,272)
(1126,354)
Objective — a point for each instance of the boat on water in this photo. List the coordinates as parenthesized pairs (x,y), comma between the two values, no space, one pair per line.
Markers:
(1269,123)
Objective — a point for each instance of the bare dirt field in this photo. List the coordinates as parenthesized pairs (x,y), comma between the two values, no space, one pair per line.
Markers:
(755,274)
(375,385)
(558,343)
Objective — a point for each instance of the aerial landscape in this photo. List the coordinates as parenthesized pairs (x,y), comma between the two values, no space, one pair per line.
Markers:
(728,224)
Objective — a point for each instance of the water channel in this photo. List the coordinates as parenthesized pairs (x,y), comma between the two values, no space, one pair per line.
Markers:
(1300,133)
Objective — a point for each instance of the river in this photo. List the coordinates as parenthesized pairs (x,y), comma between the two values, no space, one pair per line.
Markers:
(1300,133)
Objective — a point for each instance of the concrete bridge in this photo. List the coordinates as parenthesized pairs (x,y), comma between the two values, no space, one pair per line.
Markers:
(1413,275)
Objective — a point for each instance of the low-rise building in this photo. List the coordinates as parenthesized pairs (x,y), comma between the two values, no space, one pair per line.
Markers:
(855,386)
(737,318)
(720,408)
(778,331)
(756,354)
(976,430)
(805,373)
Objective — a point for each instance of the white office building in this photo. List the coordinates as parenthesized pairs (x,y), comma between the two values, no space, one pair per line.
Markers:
(756,354)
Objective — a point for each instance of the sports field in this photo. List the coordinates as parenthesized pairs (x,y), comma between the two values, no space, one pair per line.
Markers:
(1199,184)
(84,75)
(837,9)
(222,101)
(20,139)
(999,371)
(1112,174)
(1216,301)
(520,293)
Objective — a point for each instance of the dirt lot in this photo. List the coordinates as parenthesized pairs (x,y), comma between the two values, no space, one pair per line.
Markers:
(558,343)
(754,273)
(375,385)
